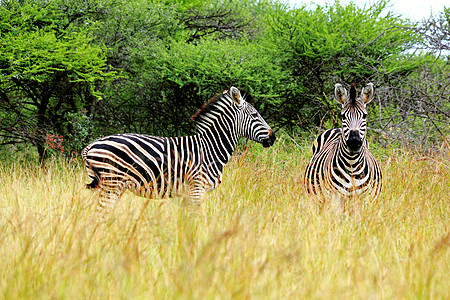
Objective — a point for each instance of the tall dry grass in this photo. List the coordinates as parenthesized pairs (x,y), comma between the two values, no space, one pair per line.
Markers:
(261,238)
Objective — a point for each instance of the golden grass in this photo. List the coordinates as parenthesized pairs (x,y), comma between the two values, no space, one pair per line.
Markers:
(261,238)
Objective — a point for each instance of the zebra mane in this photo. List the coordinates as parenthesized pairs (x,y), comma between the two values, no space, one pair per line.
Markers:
(215,108)
(210,106)
(353,94)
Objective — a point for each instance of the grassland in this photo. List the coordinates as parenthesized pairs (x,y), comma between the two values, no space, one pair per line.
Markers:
(261,236)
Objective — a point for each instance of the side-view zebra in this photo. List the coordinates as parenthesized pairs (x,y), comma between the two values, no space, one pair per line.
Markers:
(342,164)
(156,167)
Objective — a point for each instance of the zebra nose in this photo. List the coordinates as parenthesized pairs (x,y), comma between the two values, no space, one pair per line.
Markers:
(354,134)
(354,141)
(270,140)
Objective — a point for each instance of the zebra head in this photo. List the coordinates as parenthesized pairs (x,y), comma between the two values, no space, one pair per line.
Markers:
(353,115)
(250,123)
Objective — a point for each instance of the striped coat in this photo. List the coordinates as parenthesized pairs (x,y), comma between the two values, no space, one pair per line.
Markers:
(156,167)
(342,164)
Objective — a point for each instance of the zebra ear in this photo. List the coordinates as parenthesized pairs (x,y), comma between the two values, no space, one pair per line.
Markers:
(367,93)
(235,94)
(340,93)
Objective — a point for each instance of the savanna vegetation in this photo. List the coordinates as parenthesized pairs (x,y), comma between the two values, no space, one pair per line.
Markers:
(78,70)
(261,238)
(72,71)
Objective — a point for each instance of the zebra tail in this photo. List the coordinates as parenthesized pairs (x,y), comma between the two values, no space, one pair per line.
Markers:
(95,181)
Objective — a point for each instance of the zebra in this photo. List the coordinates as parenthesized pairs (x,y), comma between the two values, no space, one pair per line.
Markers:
(157,167)
(342,165)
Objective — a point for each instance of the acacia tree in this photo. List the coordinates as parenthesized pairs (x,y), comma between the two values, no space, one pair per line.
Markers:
(176,56)
(416,108)
(436,32)
(48,69)
(335,43)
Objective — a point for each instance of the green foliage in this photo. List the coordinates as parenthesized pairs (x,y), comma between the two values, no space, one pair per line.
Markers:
(39,54)
(336,34)
(214,65)
(178,61)
(181,78)
(332,44)
(81,128)
(83,69)
(49,67)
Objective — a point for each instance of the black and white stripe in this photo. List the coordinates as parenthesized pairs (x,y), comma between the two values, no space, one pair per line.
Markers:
(342,164)
(156,167)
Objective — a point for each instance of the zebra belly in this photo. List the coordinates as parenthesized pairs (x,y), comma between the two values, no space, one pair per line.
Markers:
(330,187)
(150,192)
(139,180)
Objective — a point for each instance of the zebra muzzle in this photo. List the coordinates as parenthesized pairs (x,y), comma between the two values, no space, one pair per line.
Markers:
(354,142)
(270,140)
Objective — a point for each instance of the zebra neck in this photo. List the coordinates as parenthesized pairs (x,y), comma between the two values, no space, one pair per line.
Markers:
(350,162)
(218,144)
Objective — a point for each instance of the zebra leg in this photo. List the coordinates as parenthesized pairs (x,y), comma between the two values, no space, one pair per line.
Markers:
(194,201)
(337,203)
(109,196)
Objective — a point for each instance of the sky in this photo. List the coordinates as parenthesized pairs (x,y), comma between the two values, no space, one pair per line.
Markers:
(413,9)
